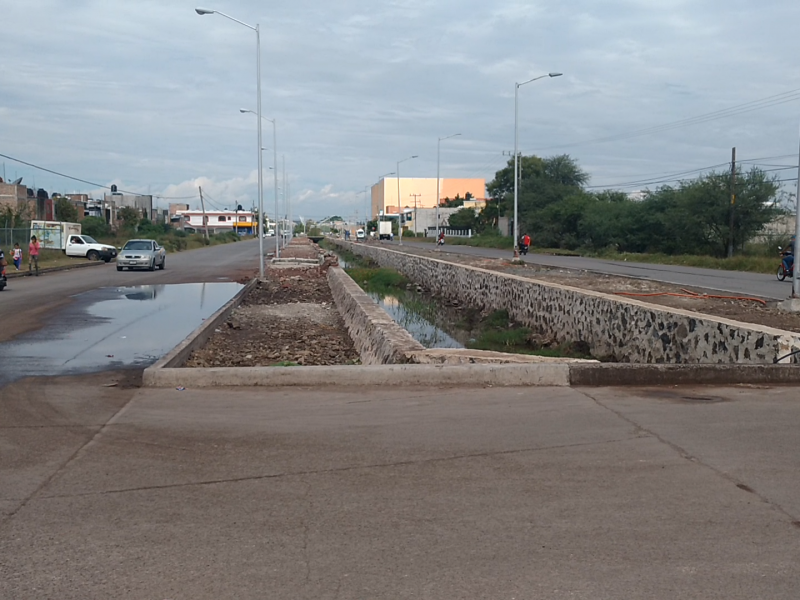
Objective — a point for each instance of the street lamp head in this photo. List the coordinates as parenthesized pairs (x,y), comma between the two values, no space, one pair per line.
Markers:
(203,11)
(244,110)
(415,156)
(555,74)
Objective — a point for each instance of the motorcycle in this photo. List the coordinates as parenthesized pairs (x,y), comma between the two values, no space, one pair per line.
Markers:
(786,268)
(523,249)
(440,241)
(3,279)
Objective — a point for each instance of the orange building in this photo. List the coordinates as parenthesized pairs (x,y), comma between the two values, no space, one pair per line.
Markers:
(420,192)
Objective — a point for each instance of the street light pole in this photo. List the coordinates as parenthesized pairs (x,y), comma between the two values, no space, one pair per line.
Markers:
(516,154)
(399,206)
(438,194)
(795,278)
(274,172)
(203,11)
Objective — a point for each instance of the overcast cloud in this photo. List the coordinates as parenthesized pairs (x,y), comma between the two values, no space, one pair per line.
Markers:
(147,94)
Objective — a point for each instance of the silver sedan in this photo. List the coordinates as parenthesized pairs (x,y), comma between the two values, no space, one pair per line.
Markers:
(142,254)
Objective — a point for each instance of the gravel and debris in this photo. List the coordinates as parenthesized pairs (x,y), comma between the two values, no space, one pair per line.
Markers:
(287,319)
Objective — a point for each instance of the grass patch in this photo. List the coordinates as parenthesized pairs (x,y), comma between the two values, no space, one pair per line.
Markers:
(285,363)
(743,262)
(378,279)
(498,334)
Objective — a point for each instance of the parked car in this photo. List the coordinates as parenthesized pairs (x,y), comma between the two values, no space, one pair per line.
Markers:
(142,254)
(360,235)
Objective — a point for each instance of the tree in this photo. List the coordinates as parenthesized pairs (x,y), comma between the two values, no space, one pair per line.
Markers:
(65,210)
(95,227)
(129,217)
(464,218)
(454,202)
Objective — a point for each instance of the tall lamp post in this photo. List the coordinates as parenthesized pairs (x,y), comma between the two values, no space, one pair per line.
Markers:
(438,193)
(516,154)
(203,11)
(274,172)
(399,201)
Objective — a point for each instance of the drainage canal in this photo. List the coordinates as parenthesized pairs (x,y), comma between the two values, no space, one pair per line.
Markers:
(438,324)
(112,328)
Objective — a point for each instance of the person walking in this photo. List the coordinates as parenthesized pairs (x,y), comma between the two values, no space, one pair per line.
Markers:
(17,256)
(33,255)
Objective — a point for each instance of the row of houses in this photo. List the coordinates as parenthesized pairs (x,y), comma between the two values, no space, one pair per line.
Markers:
(18,199)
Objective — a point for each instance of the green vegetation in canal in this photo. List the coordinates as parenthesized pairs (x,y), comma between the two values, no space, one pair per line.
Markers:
(378,279)
(497,333)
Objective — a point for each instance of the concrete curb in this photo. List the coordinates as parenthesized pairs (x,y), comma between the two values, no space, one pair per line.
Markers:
(616,374)
(24,273)
(178,355)
(359,376)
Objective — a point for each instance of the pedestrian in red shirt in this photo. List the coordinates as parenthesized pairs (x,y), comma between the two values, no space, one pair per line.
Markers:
(33,255)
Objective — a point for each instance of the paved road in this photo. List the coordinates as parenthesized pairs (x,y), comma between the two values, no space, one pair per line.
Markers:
(579,494)
(28,300)
(737,282)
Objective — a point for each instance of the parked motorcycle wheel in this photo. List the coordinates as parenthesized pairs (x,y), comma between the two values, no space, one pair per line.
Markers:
(781,274)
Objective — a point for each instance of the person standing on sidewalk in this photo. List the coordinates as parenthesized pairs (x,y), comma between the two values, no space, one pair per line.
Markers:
(33,255)
(17,256)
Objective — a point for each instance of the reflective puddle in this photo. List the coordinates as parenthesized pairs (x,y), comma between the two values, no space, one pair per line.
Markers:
(111,328)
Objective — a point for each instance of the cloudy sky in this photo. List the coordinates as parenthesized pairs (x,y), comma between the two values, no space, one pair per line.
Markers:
(146,94)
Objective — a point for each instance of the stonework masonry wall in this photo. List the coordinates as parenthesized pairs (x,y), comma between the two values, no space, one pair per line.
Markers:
(378,339)
(620,328)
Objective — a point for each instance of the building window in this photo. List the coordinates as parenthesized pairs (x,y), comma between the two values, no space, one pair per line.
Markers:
(221,219)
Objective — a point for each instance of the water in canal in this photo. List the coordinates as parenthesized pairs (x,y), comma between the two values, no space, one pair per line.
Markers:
(111,328)
(418,317)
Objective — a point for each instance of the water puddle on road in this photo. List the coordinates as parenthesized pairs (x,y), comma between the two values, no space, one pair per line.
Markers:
(111,328)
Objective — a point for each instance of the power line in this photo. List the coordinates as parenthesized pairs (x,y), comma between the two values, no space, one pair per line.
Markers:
(92,183)
(767,102)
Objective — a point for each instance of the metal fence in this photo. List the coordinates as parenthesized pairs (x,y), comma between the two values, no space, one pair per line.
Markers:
(10,236)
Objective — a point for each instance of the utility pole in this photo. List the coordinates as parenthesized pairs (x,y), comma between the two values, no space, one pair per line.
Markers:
(203,206)
(733,200)
(415,210)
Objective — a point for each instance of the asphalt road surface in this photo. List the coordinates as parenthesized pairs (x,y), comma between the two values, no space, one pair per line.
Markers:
(28,301)
(552,493)
(737,282)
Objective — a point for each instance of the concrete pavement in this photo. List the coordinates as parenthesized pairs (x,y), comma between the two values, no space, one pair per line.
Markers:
(588,493)
(737,282)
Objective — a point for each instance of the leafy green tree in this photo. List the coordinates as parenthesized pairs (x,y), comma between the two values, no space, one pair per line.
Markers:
(66,210)
(453,202)
(95,227)
(464,218)
(129,217)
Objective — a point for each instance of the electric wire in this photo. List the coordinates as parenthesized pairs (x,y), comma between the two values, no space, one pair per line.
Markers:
(767,102)
(86,181)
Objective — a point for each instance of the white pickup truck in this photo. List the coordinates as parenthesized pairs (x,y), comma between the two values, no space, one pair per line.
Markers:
(87,246)
(67,237)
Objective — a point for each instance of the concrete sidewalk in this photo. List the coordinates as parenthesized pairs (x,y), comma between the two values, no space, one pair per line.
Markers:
(589,493)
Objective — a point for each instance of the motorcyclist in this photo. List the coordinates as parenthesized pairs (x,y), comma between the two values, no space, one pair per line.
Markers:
(525,243)
(440,241)
(3,265)
(788,256)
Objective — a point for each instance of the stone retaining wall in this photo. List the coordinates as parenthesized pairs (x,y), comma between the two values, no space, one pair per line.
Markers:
(378,339)
(624,329)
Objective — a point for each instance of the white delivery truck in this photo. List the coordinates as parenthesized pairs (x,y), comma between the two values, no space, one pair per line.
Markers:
(385,230)
(67,237)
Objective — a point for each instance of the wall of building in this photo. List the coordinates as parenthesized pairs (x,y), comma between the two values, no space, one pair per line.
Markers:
(625,329)
(384,193)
